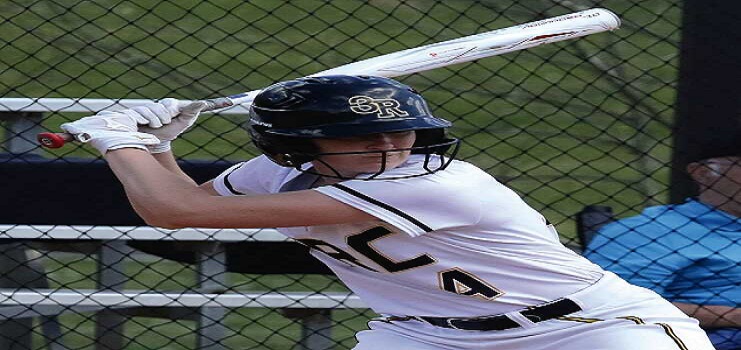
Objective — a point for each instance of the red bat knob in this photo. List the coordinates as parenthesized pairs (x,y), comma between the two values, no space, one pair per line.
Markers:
(53,140)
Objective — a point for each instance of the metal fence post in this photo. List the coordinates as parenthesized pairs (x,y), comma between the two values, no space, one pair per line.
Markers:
(109,324)
(211,267)
(21,130)
(316,327)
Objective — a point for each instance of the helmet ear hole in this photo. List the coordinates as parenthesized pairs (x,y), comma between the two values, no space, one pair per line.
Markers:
(283,150)
(430,137)
(286,159)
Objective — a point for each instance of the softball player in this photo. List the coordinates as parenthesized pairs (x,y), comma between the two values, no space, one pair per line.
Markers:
(358,169)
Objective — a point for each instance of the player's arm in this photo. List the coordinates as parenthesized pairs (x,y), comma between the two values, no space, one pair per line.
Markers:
(712,316)
(167,160)
(167,120)
(164,199)
(208,186)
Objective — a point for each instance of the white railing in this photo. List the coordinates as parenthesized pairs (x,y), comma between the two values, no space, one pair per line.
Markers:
(89,232)
(24,302)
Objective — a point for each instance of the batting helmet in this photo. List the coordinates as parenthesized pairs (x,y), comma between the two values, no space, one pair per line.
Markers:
(285,116)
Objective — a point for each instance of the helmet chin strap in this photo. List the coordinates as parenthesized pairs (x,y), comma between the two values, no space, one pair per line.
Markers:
(336,173)
(428,167)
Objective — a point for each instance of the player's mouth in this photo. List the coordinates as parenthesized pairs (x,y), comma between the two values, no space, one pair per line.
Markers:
(380,155)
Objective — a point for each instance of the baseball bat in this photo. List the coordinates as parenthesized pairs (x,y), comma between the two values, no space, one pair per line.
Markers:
(442,54)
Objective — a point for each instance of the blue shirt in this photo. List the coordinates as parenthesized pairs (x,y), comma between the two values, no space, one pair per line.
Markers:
(688,253)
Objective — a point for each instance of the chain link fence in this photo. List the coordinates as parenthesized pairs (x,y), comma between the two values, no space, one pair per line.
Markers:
(566,125)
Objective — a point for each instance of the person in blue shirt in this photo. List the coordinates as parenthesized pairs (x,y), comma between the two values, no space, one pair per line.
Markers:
(689,253)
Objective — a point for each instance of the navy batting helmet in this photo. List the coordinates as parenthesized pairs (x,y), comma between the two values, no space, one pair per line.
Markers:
(285,116)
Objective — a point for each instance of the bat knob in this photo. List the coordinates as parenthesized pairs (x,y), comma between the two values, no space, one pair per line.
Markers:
(50,140)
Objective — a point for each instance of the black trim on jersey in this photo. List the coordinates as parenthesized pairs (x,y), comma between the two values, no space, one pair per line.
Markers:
(229,184)
(384,206)
(670,332)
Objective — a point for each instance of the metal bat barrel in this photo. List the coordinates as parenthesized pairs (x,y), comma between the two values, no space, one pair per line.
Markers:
(482,45)
(473,47)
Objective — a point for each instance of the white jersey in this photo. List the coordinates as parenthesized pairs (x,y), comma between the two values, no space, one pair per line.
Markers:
(456,243)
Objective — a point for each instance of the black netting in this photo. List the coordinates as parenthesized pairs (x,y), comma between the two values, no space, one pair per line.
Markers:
(584,122)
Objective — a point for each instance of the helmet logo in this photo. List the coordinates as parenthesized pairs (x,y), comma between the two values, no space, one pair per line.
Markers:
(260,122)
(383,107)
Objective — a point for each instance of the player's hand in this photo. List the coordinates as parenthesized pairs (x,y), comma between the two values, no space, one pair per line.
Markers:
(167,120)
(111,130)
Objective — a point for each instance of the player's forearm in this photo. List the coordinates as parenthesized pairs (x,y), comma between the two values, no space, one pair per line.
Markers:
(158,195)
(712,316)
(167,160)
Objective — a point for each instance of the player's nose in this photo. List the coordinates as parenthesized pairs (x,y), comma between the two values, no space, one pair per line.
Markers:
(381,141)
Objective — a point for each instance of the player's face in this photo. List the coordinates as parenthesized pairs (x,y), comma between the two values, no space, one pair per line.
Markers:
(371,160)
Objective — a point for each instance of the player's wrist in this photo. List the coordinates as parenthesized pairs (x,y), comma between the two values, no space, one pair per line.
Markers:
(125,146)
(162,147)
(107,141)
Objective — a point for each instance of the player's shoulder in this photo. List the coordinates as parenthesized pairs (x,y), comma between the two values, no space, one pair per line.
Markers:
(259,174)
(263,162)
(468,175)
(267,164)
(457,182)
(419,170)
(448,167)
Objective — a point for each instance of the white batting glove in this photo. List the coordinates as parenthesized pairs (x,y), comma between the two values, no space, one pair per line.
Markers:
(110,130)
(167,120)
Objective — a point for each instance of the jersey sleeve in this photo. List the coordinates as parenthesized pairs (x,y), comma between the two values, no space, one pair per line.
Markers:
(414,205)
(256,176)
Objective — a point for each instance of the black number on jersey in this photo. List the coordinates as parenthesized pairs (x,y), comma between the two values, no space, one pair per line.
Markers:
(334,252)
(454,280)
(361,243)
(464,283)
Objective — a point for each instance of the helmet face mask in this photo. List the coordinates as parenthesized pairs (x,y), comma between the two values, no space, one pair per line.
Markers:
(286,117)
(432,163)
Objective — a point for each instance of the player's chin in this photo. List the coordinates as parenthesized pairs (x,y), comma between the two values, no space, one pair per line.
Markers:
(391,162)
(391,157)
